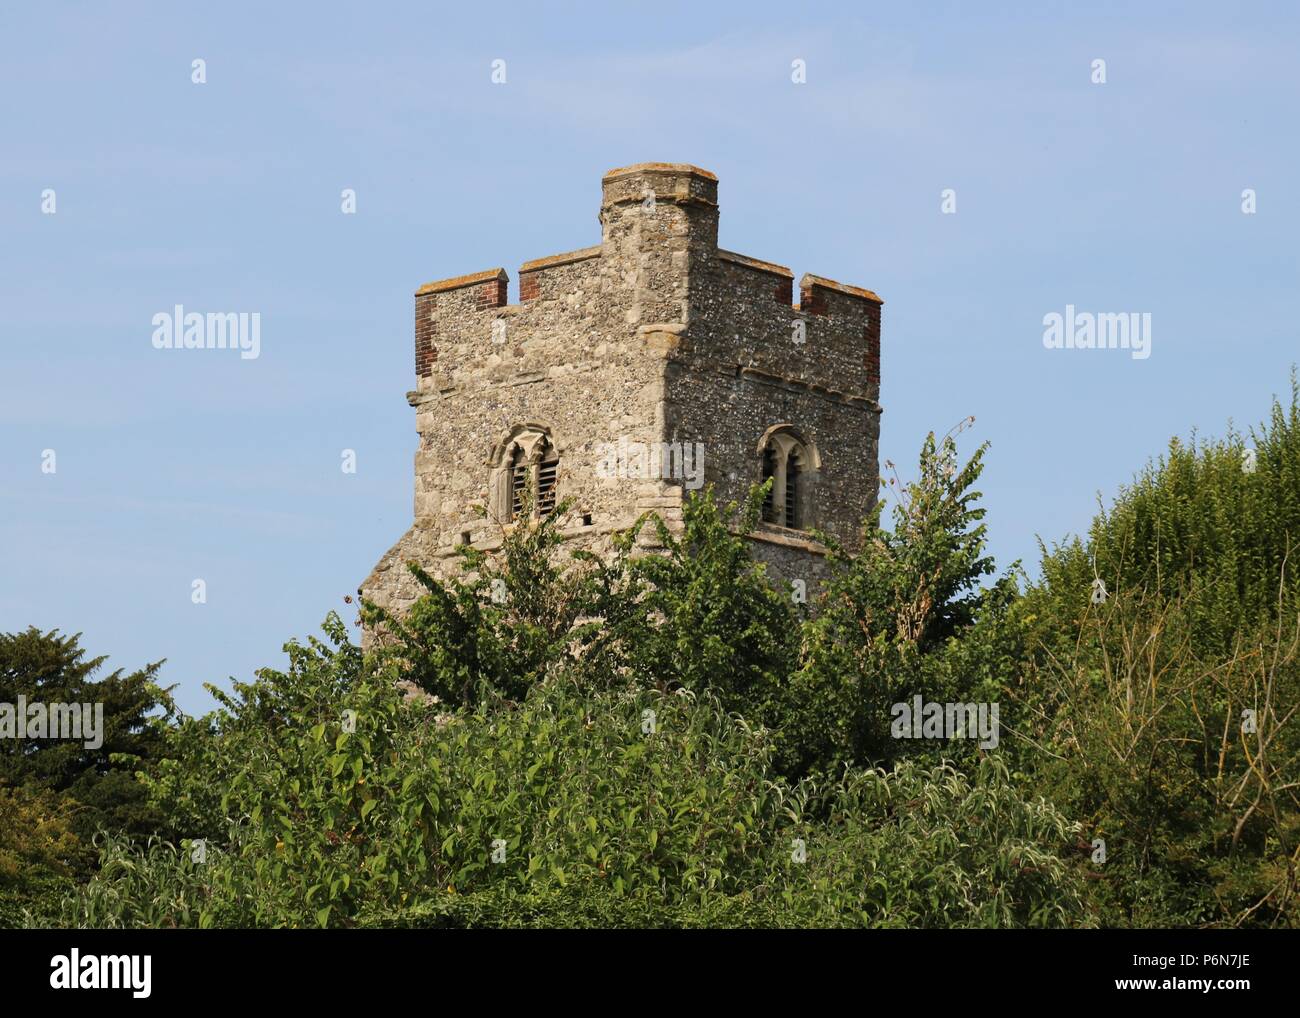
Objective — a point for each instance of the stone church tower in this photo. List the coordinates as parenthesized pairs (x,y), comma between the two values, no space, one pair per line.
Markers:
(631,373)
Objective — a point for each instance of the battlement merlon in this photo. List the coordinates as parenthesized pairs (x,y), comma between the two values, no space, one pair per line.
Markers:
(658,262)
(817,295)
(491,284)
(646,183)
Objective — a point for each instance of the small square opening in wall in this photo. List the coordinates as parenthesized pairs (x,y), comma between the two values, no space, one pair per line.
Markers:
(586,519)
(466,537)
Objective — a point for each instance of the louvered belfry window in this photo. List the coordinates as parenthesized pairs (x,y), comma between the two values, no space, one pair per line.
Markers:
(548,471)
(791,466)
(532,473)
(518,485)
(769,473)
(791,491)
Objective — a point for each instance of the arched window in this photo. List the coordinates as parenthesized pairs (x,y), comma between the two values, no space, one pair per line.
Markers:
(526,473)
(790,462)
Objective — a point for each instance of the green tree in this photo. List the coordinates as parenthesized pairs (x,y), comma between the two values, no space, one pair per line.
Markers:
(701,614)
(510,617)
(38,853)
(52,668)
(904,615)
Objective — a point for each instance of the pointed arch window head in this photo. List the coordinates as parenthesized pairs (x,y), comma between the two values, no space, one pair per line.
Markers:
(791,463)
(526,469)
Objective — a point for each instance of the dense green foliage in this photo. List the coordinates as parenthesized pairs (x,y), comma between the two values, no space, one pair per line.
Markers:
(667,738)
(38,852)
(595,815)
(57,794)
(905,615)
(1131,711)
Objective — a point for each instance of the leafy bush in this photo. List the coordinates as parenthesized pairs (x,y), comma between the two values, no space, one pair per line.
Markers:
(38,853)
(1132,708)
(592,806)
(501,625)
(701,614)
(904,615)
(1195,526)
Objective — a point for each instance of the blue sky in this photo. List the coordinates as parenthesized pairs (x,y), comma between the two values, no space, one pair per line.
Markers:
(1115,197)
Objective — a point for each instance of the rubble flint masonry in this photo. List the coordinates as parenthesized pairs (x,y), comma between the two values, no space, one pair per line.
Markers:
(654,336)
